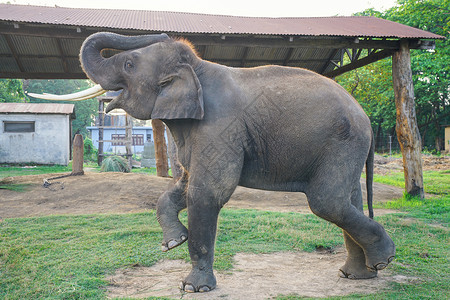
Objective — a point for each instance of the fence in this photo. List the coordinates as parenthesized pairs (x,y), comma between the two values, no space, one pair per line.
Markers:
(386,144)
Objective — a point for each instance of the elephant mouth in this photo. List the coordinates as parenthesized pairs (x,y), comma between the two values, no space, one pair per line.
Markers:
(89,93)
(118,97)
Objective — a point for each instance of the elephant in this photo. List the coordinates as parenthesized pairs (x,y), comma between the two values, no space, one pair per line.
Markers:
(270,127)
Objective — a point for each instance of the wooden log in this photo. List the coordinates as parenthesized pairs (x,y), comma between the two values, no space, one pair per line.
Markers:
(407,130)
(129,139)
(161,159)
(101,120)
(78,155)
(174,163)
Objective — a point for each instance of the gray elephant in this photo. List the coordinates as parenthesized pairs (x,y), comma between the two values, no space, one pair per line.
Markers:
(273,128)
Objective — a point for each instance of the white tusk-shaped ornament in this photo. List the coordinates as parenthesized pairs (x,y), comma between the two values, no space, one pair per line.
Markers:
(92,92)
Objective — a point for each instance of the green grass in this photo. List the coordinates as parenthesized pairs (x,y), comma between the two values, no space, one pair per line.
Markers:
(68,256)
(435,182)
(17,170)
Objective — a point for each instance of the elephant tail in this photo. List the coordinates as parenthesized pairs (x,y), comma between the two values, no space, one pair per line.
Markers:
(369,178)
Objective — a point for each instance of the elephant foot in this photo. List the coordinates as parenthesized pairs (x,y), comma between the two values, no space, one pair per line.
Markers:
(173,240)
(381,265)
(198,281)
(378,257)
(356,271)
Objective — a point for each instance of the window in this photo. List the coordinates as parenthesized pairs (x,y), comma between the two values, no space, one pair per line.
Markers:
(138,139)
(119,139)
(11,126)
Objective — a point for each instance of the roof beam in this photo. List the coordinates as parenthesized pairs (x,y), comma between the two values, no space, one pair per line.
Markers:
(288,56)
(62,56)
(245,56)
(14,53)
(329,61)
(28,75)
(373,57)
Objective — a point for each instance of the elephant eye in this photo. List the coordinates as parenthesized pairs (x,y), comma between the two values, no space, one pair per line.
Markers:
(129,65)
(165,82)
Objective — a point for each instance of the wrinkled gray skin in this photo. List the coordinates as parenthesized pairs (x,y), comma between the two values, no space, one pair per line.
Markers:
(273,128)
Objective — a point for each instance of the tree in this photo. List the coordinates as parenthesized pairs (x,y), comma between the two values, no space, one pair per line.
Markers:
(372,85)
(372,88)
(84,110)
(431,69)
(11,91)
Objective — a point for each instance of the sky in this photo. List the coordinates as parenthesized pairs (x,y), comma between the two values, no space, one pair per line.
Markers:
(249,8)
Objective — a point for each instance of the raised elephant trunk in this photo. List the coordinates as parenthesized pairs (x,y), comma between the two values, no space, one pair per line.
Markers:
(102,70)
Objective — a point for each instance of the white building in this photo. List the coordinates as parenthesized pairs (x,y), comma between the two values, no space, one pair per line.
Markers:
(37,133)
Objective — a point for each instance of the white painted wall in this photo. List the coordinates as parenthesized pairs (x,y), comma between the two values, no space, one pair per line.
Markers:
(49,144)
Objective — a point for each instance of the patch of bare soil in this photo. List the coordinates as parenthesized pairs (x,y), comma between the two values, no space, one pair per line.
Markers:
(129,192)
(255,276)
(385,165)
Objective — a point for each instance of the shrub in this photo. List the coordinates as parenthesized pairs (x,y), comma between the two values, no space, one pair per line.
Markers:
(90,153)
(115,164)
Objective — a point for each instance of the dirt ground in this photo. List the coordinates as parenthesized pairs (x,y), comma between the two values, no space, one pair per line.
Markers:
(254,276)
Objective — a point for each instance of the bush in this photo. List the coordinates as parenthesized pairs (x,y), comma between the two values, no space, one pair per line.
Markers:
(115,164)
(90,153)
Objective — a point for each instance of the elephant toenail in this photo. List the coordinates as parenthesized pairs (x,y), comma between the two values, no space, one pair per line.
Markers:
(342,274)
(183,238)
(172,244)
(164,248)
(189,288)
(380,266)
(204,289)
(391,259)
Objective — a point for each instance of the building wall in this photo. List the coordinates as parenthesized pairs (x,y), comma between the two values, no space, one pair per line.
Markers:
(48,144)
(147,133)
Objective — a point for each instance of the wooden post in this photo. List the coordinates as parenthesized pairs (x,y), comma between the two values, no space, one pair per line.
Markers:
(174,163)
(407,130)
(78,155)
(129,139)
(101,121)
(162,165)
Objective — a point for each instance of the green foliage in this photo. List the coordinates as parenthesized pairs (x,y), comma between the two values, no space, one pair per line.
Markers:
(115,164)
(11,91)
(85,111)
(372,85)
(90,152)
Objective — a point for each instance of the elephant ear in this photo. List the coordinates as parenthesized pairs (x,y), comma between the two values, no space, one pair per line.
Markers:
(181,96)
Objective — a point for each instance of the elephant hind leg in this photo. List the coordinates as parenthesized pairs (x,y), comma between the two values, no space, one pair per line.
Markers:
(355,264)
(330,199)
(170,203)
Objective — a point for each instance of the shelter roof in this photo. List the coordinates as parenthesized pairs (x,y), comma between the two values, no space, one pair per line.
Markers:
(178,22)
(44,42)
(36,108)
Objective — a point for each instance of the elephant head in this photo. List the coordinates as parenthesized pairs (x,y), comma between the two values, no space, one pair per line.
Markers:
(155,73)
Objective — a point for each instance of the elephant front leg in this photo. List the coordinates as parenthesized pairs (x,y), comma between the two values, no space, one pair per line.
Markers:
(203,211)
(169,205)
(355,265)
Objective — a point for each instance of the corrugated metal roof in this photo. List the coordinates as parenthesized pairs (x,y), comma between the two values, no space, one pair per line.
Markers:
(36,108)
(178,22)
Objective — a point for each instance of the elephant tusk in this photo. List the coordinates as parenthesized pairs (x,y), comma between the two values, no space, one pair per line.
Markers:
(92,92)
